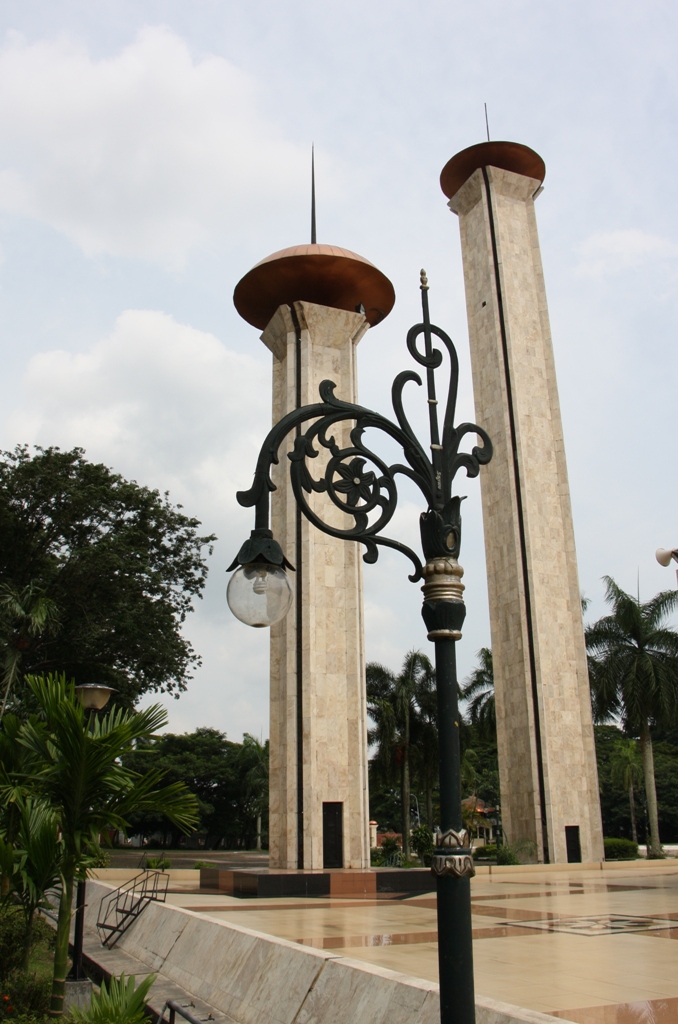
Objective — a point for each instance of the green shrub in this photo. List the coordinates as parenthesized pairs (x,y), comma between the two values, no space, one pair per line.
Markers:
(100,859)
(202,864)
(375,857)
(12,932)
(422,843)
(23,1018)
(389,846)
(158,863)
(620,849)
(117,1003)
(507,855)
(485,852)
(27,993)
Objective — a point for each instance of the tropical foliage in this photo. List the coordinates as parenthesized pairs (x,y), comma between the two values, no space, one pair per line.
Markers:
(98,576)
(117,1002)
(404,744)
(633,669)
(403,712)
(229,779)
(78,779)
(478,692)
(620,766)
(27,616)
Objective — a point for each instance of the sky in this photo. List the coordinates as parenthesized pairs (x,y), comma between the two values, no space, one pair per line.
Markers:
(151,153)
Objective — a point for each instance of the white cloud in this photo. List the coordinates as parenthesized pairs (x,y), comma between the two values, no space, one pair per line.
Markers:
(613,251)
(157,400)
(147,154)
(172,407)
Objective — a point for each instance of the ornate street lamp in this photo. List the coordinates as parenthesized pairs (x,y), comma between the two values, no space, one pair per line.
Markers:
(370,496)
(93,698)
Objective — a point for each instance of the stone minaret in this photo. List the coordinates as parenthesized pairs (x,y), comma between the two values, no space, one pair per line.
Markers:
(547,763)
(315,303)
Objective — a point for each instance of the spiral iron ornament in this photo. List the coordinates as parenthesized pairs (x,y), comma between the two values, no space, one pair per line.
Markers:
(357,480)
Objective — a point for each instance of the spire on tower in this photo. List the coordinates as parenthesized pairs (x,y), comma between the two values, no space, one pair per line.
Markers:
(313,236)
(326,275)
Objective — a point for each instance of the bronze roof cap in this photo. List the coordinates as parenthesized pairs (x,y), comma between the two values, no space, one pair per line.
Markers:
(509,156)
(324,274)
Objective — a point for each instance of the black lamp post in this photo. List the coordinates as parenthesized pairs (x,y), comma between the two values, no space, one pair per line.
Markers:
(258,597)
(93,698)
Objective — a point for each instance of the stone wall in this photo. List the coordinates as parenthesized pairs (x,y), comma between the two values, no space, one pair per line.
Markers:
(329,576)
(544,727)
(259,979)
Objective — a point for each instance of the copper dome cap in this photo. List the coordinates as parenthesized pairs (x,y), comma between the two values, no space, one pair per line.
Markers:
(509,156)
(324,274)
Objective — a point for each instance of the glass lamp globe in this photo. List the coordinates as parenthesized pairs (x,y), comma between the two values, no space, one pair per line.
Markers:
(92,696)
(259,594)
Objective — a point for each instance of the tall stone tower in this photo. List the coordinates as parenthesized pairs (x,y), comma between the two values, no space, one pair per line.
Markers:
(314,304)
(547,763)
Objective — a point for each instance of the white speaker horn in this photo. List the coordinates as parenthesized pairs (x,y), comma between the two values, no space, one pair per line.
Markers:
(664,556)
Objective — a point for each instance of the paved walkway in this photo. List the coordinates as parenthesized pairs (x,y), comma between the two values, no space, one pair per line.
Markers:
(588,946)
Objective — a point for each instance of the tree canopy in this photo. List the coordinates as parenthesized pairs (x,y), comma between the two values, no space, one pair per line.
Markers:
(98,574)
(229,779)
(70,770)
(633,668)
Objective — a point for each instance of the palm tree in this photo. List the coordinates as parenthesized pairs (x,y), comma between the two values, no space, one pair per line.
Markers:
(627,772)
(393,706)
(33,866)
(25,615)
(478,690)
(633,669)
(424,738)
(78,772)
(255,755)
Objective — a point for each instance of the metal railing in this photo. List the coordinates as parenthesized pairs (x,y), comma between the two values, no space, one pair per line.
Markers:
(176,1008)
(119,908)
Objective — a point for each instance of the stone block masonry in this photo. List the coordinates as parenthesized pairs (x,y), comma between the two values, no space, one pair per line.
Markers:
(244,977)
(547,763)
(318,724)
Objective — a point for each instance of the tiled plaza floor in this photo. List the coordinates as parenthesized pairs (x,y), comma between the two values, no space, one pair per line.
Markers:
(588,946)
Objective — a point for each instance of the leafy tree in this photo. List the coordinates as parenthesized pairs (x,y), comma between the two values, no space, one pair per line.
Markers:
(424,745)
(393,703)
(614,802)
(25,616)
(633,669)
(34,865)
(229,779)
(77,771)
(254,760)
(478,691)
(627,774)
(101,573)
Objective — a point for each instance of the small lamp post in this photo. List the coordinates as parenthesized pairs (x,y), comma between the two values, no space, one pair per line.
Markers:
(258,596)
(93,698)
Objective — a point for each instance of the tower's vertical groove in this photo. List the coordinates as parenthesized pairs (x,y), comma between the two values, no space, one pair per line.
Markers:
(521,522)
(548,773)
(298,608)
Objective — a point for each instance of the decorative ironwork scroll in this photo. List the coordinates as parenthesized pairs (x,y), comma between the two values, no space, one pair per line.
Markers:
(357,480)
